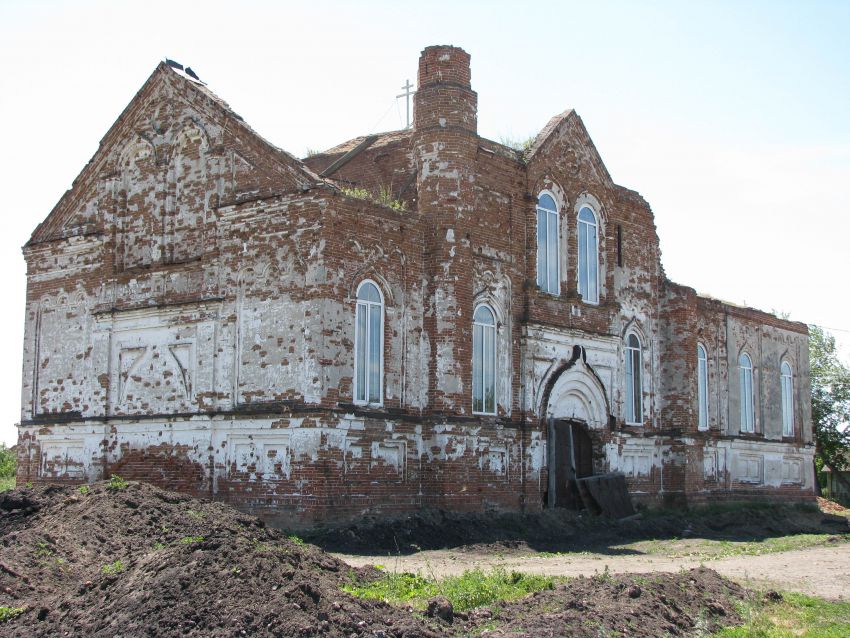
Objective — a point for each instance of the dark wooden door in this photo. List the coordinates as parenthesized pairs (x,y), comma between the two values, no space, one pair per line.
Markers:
(572,459)
(582,451)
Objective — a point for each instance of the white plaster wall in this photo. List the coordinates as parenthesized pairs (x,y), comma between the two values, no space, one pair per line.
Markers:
(767,347)
(769,464)
(637,457)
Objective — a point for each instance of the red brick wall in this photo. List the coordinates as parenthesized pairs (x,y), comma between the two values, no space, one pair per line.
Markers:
(191,302)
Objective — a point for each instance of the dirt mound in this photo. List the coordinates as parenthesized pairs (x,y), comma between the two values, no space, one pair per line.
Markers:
(128,559)
(690,603)
(566,530)
(831,507)
(138,561)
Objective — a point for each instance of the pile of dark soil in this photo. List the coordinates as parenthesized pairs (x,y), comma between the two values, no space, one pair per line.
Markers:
(133,560)
(140,561)
(567,530)
(690,603)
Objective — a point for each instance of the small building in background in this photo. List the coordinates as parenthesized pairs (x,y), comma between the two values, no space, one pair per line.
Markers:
(837,489)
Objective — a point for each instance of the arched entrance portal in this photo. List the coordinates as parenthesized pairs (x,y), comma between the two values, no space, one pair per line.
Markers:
(576,410)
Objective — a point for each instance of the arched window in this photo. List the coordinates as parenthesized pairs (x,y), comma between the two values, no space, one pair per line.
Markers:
(548,278)
(369,345)
(787,381)
(634,386)
(702,387)
(588,255)
(484,361)
(745,373)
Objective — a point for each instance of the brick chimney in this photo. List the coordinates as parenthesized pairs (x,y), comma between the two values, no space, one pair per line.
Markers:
(445,145)
(444,97)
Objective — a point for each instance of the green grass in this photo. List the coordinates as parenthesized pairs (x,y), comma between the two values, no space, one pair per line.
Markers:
(43,550)
(796,616)
(706,549)
(473,588)
(7,483)
(116,483)
(7,613)
(384,197)
(113,568)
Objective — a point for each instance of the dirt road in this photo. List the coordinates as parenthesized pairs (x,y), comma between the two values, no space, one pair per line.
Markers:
(820,571)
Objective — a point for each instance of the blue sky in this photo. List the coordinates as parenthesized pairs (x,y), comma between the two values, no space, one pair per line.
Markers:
(731,118)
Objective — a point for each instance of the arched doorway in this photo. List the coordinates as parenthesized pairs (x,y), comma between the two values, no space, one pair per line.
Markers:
(576,410)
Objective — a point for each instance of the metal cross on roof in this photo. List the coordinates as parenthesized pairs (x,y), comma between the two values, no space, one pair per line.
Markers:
(407,95)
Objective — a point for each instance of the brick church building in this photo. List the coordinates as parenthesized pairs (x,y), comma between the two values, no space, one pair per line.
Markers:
(421,318)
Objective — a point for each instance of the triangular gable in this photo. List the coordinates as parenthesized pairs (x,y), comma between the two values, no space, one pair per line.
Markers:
(570,126)
(274,170)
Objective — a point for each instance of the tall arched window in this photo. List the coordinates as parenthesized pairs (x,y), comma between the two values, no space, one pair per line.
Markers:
(588,255)
(369,345)
(548,278)
(634,385)
(745,373)
(702,387)
(484,361)
(787,381)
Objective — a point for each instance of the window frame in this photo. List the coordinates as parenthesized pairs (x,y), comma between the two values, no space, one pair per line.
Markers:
(746,381)
(786,384)
(702,388)
(549,214)
(485,329)
(366,305)
(582,263)
(634,383)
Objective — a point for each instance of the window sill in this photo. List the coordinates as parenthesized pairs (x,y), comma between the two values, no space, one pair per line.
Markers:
(752,436)
(363,406)
(546,293)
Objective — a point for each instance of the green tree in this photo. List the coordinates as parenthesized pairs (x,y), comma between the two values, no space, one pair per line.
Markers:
(8,465)
(8,462)
(830,403)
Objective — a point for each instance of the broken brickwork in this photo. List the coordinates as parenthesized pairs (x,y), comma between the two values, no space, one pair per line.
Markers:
(191,322)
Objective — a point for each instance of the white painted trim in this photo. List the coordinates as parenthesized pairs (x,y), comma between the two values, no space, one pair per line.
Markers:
(358,302)
(742,369)
(700,426)
(790,411)
(639,349)
(557,213)
(494,327)
(580,206)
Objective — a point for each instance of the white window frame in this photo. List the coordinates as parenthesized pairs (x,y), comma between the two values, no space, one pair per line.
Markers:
(487,332)
(702,387)
(786,381)
(551,216)
(366,306)
(746,378)
(584,261)
(634,384)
